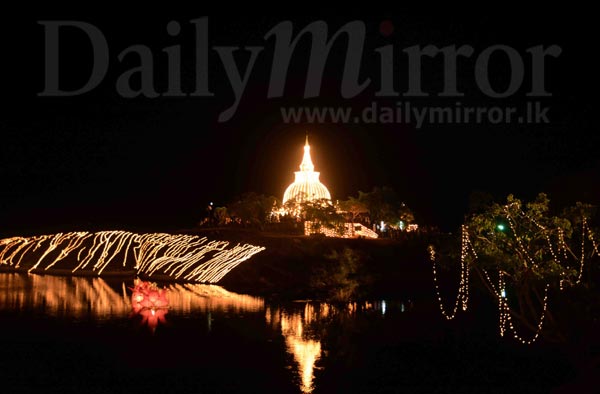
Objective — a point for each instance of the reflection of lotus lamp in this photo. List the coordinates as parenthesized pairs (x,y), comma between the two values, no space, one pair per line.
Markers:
(150,302)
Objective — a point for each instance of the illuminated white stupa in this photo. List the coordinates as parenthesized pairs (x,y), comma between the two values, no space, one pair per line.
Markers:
(306,186)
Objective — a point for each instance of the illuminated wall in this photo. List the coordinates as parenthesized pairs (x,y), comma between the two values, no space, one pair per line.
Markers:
(350,230)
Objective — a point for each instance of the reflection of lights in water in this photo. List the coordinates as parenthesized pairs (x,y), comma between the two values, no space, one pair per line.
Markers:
(306,348)
(155,303)
(152,317)
(151,302)
(306,351)
(179,256)
(62,296)
(93,297)
(205,298)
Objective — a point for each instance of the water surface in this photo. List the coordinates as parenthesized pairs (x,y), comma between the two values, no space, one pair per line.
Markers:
(68,334)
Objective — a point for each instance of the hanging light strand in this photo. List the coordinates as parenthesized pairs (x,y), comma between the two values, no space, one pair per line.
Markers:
(462,297)
(505,317)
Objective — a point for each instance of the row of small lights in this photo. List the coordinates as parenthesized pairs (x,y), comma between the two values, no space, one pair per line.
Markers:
(313,228)
(505,317)
(463,288)
(175,255)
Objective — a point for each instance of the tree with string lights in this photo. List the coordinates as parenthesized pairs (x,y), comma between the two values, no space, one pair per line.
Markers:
(321,213)
(524,255)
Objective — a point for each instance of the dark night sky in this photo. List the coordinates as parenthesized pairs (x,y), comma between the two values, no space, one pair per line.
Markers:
(102,160)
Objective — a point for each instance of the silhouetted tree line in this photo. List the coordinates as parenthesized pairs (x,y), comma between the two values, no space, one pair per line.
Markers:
(382,204)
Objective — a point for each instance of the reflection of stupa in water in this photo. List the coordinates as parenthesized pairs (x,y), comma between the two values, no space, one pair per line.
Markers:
(306,186)
(305,348)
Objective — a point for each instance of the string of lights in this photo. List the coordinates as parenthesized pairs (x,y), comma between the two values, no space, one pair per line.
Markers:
(585,229)
(522,248)
(186,257)
(505,316)
(505,313)
(561,244)
(462,297)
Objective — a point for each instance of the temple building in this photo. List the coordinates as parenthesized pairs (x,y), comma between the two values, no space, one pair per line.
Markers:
(306,186)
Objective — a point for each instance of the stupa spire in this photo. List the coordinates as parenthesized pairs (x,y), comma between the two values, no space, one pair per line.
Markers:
(307,164)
